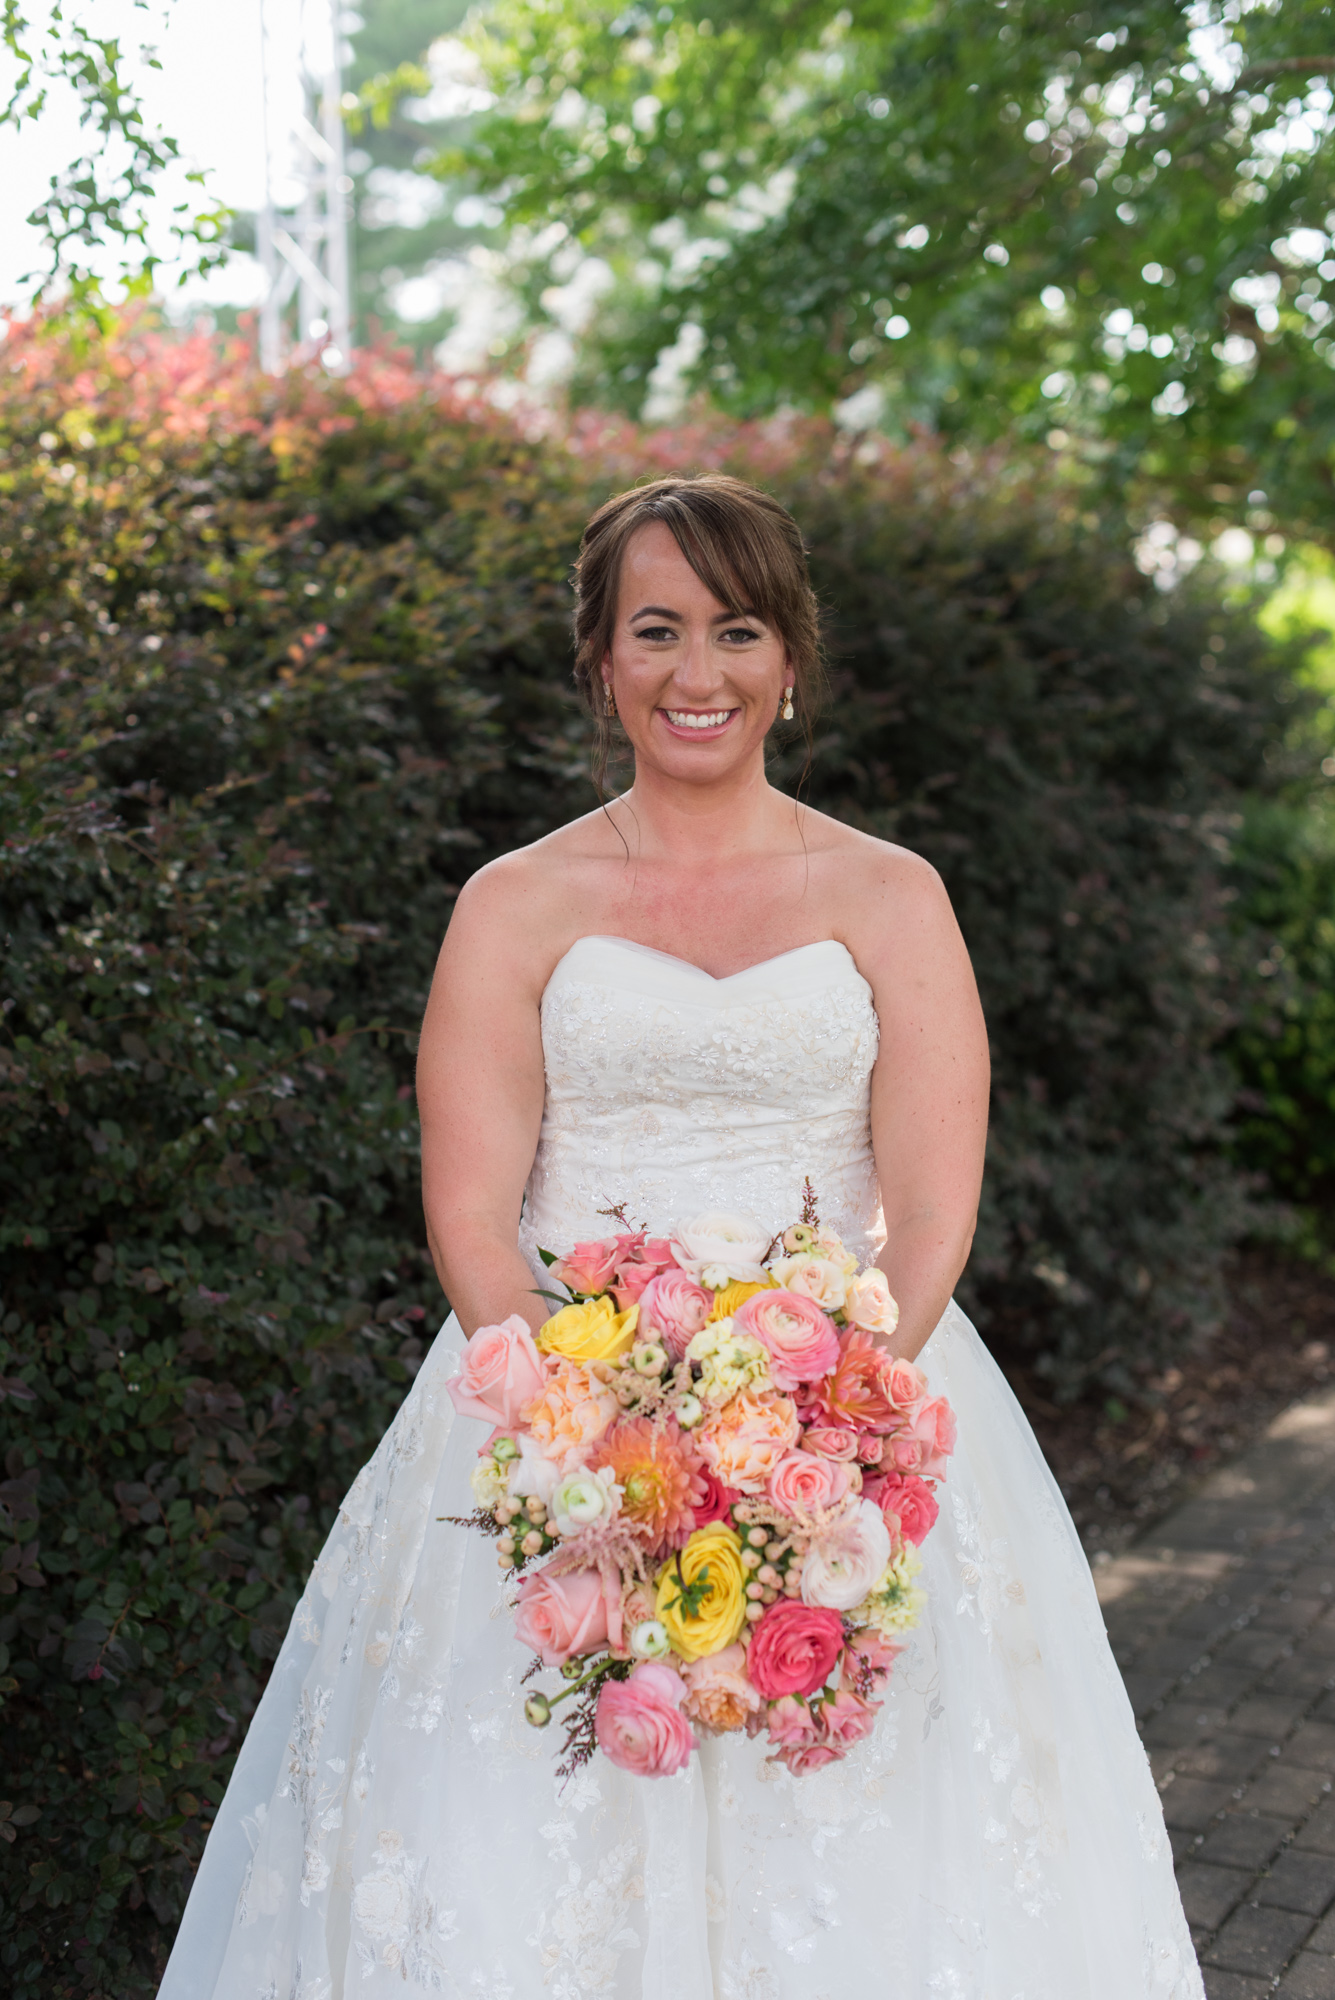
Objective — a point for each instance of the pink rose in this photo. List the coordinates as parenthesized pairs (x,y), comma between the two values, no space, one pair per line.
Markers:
(908,1503)
(559,1616)
(813,1758)
(790,1723)
(867,1654)
(934,1423)
(802,1483)
(847,1719)
(718,1502)
(871,1448)
(502,1371)
(639,1261)
(905,1383)
(588,1267)
(674,1307)
(639,1723)
(830,1443)
(799,1338)
(793,1647)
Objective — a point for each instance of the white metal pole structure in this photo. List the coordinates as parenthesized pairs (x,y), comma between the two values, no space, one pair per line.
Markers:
(302,230)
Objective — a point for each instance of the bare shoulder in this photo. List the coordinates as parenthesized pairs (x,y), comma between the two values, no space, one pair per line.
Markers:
(889,906)
(514,913)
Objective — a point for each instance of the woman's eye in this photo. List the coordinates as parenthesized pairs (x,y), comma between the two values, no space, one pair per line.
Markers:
(656,632)
(739,635)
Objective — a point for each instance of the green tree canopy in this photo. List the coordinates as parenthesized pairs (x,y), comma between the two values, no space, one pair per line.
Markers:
(1002,215)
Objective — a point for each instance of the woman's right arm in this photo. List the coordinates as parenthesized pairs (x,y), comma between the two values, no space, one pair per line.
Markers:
(480,1093)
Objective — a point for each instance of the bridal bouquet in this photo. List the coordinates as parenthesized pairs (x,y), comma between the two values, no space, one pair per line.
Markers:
(712,1482)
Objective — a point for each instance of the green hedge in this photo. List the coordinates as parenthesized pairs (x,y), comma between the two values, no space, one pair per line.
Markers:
(278,666)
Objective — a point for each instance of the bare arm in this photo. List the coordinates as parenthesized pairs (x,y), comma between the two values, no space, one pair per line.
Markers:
(480,1095)
(929,1091)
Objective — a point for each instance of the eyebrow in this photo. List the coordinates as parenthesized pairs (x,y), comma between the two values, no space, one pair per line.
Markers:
(662,611)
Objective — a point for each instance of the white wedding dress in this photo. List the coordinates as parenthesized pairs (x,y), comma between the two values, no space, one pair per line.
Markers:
(394,1826)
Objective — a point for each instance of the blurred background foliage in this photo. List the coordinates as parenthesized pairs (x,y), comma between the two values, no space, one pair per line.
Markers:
(280,663)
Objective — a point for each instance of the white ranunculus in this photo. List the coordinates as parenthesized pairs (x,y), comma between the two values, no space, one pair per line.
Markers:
(489,1483)
(533,1475)
(812,1277)
(719,1249)
(843,1564)
(868,1303)
(584,1498)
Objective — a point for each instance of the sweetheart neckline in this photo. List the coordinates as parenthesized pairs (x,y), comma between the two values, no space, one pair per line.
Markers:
(689,965)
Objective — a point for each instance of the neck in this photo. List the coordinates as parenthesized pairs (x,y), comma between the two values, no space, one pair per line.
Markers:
(699,824)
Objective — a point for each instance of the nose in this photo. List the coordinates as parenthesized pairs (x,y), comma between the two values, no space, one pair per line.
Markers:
(696,675)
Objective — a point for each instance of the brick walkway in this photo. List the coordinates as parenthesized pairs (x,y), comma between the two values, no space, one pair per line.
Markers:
(1222,1621)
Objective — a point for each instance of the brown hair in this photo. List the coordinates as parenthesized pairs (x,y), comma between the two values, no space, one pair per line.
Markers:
(743,546)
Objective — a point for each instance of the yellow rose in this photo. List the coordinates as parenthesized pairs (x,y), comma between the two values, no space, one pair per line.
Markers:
(727,1301)
(592,1331)
(702,1593)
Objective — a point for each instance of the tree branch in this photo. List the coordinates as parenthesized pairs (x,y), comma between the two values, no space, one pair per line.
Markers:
(1286,66)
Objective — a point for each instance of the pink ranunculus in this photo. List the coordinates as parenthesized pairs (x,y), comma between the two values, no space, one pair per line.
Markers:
(934,1423)
(813,1757)
(799,1338)
(639,1723)
(639,1261)
(907,1502)
(588,1267)
(829,1442)
(502,1371)
(802,1483)
(846,1559)
(674,1307)
(560,1616)
(790,1723)
(718,1502)
(793,1648)
(847,1719)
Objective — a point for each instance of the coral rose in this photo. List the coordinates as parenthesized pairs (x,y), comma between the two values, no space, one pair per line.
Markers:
(744,1441)
(907,1502)
(640,1259)
(934,1423)
(591,1331)
(813,1758)
(573,1411)
(719,1694)
(639,1724)
(502,1371)
(588,1267)
(674,1307)
(868,1304)
(800,1338)
(702,1593)
(845,1561)
(802,1483)
(793,1648)
(559,1616)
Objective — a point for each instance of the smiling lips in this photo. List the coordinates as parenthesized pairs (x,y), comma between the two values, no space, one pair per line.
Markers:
(686,718)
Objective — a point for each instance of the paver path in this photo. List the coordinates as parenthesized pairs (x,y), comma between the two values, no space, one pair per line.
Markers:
(1223,1621)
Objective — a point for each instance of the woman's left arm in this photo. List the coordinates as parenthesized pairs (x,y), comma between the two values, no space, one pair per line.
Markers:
(930,1088)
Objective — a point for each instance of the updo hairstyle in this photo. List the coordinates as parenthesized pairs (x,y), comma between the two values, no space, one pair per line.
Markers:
(744,547)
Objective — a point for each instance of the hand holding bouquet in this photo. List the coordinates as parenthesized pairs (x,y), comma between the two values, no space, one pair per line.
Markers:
(712,1481)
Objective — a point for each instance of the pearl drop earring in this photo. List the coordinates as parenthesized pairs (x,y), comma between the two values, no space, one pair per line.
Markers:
(786,707)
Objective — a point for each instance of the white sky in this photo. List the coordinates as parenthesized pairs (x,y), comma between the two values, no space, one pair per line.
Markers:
(208,96)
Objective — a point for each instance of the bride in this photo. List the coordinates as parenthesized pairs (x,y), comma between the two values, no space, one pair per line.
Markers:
(697,998)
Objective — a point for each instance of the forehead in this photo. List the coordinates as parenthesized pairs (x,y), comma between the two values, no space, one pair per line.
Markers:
(654,571)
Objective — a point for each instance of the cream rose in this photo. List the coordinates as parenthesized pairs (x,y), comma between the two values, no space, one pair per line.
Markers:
(868,1304)
(815,1278)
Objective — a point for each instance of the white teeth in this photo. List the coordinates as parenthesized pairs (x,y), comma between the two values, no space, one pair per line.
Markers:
(684,719)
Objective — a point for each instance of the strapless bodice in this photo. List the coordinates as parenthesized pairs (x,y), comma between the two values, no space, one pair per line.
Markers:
(669,1092)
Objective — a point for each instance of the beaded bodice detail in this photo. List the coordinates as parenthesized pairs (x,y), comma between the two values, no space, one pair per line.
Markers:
(670,1092)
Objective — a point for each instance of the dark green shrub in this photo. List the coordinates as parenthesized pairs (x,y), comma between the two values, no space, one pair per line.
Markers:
(278,667)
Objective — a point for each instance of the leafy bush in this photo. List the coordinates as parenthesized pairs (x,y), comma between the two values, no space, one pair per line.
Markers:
(279,665)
